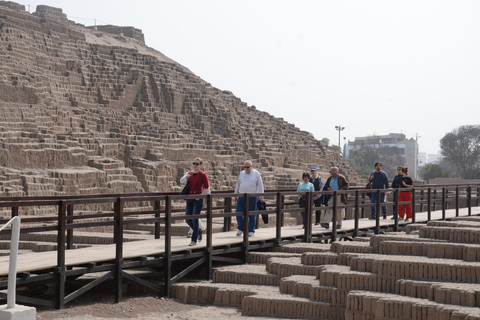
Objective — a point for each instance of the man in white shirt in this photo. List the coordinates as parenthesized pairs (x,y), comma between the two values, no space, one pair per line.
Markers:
(249,181)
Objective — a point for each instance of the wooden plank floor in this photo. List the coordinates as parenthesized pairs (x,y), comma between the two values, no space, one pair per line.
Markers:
(36,261)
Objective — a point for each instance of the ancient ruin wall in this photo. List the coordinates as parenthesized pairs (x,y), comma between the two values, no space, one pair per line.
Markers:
(94,110)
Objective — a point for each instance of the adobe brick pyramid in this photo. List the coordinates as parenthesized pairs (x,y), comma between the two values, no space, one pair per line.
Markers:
(88,110)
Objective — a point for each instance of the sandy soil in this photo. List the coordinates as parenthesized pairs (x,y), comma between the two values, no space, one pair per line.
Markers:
(142,308)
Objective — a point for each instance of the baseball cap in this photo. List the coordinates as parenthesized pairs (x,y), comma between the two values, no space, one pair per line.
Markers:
(313,169)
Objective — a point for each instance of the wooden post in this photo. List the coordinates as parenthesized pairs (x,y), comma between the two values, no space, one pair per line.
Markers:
(60,269)
(421,200)
(14,212)
(209,247)
(429,204)
(157,227)
(118,234)
(282,216)
(377,216)
(363,208)
(246,211)
(334,217)
(477,196)
(278,222)
(227,221)
(414,211)
(307,235)
(469,200)
(444,217)
(70,231)
(457,200)
(168,245)
(396,208)
(356,214)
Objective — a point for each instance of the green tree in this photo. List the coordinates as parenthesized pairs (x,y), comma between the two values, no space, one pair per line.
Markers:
(362,160)
(391,158)
(461,147)
(432,171)
(336,148)
(449,169)
(326,141)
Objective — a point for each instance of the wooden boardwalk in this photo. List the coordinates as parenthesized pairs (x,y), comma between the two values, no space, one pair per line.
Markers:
(43,261)
(170,256)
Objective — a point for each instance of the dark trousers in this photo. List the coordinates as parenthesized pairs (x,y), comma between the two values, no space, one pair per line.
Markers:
(194,209)
(252,206)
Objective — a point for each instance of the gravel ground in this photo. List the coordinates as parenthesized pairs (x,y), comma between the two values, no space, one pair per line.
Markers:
(142,308)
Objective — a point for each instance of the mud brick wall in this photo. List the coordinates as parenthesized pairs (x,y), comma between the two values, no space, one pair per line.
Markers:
(99,102)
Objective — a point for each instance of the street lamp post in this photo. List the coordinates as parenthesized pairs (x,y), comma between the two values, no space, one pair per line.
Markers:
(340,129)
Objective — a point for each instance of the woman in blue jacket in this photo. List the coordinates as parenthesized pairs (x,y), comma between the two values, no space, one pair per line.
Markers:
(302,187)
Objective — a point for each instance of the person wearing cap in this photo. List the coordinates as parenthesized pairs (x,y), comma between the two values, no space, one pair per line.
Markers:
(318,184)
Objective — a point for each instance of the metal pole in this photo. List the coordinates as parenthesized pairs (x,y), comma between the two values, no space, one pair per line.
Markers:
(12,267)
(339,131)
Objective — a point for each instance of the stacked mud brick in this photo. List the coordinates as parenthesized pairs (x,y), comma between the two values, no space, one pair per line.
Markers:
(74,99)
(429,272)
(93,110)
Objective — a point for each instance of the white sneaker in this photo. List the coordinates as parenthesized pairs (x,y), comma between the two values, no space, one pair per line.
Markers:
(192,244)
(251,234)
(239,233)
(406,219)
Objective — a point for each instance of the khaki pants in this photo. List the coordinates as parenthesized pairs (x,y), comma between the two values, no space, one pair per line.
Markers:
(339,215)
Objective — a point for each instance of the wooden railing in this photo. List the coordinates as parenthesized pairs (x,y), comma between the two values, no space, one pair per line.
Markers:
(120,210)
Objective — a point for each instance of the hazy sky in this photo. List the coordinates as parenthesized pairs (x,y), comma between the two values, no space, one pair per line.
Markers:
(373,67)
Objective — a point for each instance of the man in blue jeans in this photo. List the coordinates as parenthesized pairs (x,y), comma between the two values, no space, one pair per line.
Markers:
(379,180)
(249,181)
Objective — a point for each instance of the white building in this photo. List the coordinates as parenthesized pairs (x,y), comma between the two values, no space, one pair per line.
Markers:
(408,147)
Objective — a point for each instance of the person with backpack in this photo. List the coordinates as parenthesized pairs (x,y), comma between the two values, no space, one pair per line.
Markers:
(405,195)
(396,183)
(199,184)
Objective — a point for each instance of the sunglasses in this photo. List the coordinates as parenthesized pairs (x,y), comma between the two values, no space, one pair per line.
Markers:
(195,163)
(246,167)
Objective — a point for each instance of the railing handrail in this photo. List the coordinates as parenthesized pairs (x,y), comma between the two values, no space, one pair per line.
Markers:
(283,201)
(12,267)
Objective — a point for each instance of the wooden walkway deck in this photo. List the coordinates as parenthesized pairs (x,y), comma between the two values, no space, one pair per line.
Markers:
(43,261)
(170,256)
